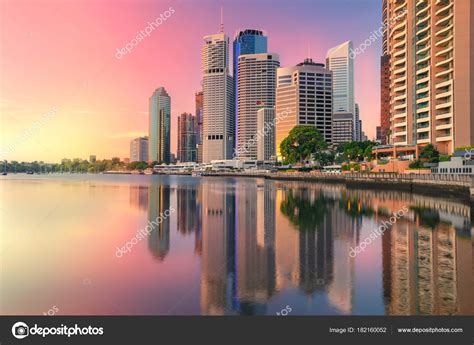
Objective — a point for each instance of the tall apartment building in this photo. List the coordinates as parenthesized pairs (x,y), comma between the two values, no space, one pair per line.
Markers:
(266,134)
(159,126)
(139,149)
(256,85)
(339,61)
(303,97)
(342,128)
(186,138)
(430,44)
(218,99)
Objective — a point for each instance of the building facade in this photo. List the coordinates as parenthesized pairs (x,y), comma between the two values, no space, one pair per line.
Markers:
(199,125)
(187,138)
(342,128)
(218,99)
(257,85)
(266,134)
(430,44)
(159,126)
(139,149)
(303,97)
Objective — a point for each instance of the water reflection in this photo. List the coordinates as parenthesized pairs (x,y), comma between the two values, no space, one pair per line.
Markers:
(261,243)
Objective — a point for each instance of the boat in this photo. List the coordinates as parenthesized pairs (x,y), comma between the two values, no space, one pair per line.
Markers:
(196,173)
(4,173)
(29,172)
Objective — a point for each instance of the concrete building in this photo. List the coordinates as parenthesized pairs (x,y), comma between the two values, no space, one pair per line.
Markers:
(384,98)
(218,99)
(430,44)
(248,41)
(357,136)
(342,128)
(187,138)
(139,149)
(303,97)
(266,134)
(92,158)
(257,85)
(339,61)
(159,126)
(199,125)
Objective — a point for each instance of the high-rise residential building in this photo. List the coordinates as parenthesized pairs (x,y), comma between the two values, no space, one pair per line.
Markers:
(248,41)
(342,128)
(303,97)
(199,125)
(218,99)
(256,84)
(430,44)
(159,127)
(187,138)
(266,134)
(384,98)
(139,149)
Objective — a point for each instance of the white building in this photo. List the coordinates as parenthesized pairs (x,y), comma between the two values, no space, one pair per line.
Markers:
(139,149)
(266,134)
(339,62)
(218,104)
(256,85)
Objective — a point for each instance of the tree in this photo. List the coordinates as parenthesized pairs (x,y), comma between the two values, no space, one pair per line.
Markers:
(356,150)
(302,144)
(429,154)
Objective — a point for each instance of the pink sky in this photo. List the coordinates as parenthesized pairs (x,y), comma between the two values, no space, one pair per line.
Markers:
(62,54)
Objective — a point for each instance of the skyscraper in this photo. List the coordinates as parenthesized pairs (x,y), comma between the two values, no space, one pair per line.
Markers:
(199,125)
(256,84)
(248,41)
(218,102)
(303,97)
(187,138)
(139,149)
(357,136)
(339,62)
(430,44)
(266,130)
(342,128)
(159,126)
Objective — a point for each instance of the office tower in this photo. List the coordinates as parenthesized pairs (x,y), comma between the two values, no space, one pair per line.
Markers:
(139,149)
(187,138)
(430,44)
(198,100)
(358,124)
(218,102)
(256,84)
(342,128)
(248,41)
(378,134)
(339,62)
(266,134)
(303,97)
(159,127)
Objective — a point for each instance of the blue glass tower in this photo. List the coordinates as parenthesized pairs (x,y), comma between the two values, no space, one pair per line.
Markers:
(248,41)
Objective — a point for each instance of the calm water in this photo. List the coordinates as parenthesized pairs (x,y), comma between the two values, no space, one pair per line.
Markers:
(231,246)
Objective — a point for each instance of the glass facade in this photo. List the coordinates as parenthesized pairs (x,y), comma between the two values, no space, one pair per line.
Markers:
(159,127)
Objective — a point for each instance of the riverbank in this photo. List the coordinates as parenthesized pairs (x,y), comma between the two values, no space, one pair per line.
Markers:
(452,185)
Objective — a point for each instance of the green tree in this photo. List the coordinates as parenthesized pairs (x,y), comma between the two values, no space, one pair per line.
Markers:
(429,154)
(302,144)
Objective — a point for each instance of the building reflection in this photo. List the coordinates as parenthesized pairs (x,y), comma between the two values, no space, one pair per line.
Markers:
(139,197)
(159,238)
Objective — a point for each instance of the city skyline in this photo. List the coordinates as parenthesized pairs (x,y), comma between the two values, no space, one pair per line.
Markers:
(91,111)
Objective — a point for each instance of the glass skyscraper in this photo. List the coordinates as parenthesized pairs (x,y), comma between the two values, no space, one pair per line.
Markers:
(248,41)
(159,127)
